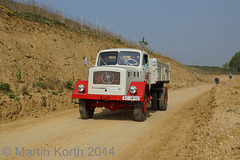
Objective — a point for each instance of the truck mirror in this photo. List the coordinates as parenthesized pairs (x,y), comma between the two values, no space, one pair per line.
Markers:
(85,61)
(154,62)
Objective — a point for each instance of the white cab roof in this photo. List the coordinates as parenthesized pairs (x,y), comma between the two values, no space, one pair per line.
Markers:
(123,49)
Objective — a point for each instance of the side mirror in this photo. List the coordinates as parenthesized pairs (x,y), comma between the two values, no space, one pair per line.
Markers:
(154,62)
(85,61)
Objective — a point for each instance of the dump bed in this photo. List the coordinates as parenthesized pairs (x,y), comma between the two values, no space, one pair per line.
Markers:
(160,72)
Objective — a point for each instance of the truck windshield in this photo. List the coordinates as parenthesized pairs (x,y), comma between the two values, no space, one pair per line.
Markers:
(129,58)
(107,58)
(122,58)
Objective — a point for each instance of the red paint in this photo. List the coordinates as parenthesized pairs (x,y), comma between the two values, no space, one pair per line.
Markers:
(140,92)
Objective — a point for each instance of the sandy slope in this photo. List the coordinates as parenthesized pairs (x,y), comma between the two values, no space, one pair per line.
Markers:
(106,129)
(52,56)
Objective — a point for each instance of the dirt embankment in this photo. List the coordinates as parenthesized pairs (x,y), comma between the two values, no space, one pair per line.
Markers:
(50,61)
(207,127)
(216,132)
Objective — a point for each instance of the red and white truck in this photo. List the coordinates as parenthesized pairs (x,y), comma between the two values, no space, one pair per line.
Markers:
(124,78)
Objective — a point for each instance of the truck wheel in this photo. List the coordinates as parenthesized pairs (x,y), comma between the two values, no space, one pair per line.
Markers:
(163,100)
(155,101)
(84,110)
(140,110)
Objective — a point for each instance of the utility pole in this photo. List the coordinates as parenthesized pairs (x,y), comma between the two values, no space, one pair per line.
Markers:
(96,26)
(39,7)
(81,21)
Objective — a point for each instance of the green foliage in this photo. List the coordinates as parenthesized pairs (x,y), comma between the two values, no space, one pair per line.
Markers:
(235,62)
(25,90)
(11,95)
(18,75)
(60,89)
(69,84)
(229,109)
(41,85)
(225,66)
(54,93)
(119,41)
(5,86)
(143,42)
(40,79)
(211,70)
(1,86)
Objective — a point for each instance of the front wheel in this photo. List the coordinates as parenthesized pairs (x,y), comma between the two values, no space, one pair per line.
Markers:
(84,110)
(140,110)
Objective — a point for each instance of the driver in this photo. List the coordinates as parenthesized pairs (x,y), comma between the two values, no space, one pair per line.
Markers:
(106,59)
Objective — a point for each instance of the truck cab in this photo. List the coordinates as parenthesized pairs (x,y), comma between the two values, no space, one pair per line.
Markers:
(116,69)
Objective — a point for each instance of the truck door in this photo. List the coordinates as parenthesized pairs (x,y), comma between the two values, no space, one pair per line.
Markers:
(146,68)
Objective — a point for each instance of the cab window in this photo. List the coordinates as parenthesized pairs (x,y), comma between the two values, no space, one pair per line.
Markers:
(145,60)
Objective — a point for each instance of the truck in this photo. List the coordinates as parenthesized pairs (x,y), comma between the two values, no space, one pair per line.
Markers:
(123,78)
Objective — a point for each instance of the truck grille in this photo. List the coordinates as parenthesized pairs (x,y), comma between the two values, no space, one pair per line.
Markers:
(106,77)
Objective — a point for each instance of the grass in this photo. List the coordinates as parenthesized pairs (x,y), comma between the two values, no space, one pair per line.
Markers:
(212,70)
(229,110)
(6,89)
(5,86)
(25,90)
(30,11)
(53,85)
(69,84)
(41,85)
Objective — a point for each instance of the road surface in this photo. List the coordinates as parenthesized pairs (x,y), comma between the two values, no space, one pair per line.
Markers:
(109,135)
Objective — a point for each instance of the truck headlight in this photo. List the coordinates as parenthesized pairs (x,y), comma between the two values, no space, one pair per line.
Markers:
(81,87)
(133,89)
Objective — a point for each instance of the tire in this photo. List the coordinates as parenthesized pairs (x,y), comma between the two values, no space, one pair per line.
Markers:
(138,110)
(84,110)
(163,100)
(155,101)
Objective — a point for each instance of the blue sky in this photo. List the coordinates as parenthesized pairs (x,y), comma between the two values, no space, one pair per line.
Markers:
(198,32)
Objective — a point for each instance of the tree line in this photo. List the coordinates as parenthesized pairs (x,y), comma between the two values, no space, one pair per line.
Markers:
(234,63)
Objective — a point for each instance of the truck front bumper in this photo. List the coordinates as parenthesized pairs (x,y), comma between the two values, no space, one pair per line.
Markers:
(107,97)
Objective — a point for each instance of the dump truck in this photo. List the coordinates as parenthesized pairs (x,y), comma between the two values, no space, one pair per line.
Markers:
(123,78)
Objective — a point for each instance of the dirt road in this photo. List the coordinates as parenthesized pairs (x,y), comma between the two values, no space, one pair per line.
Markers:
(109,135)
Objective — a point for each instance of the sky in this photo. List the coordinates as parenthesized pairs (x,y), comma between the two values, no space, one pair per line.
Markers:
(193,32)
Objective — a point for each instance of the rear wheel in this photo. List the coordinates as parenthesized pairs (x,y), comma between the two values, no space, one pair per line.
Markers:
(155,101)
(84,110)
(140,110)
(163,100)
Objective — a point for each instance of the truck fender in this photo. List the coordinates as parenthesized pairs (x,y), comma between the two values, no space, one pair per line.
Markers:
(83,82)
(142,87)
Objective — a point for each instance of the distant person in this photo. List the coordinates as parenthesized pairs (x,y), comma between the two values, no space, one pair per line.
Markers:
(230,75)
(216,80)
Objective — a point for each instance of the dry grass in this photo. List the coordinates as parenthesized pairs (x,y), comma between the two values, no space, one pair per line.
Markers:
(77,25)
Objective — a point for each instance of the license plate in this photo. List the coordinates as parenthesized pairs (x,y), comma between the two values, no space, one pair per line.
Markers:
(131,98)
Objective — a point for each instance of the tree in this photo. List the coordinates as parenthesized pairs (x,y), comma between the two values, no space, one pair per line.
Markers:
(225,66)
(235,62)
(143,42)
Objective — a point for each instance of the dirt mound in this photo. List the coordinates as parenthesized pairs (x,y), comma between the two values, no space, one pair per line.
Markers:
(215,134)
(49,59)
(206,127)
